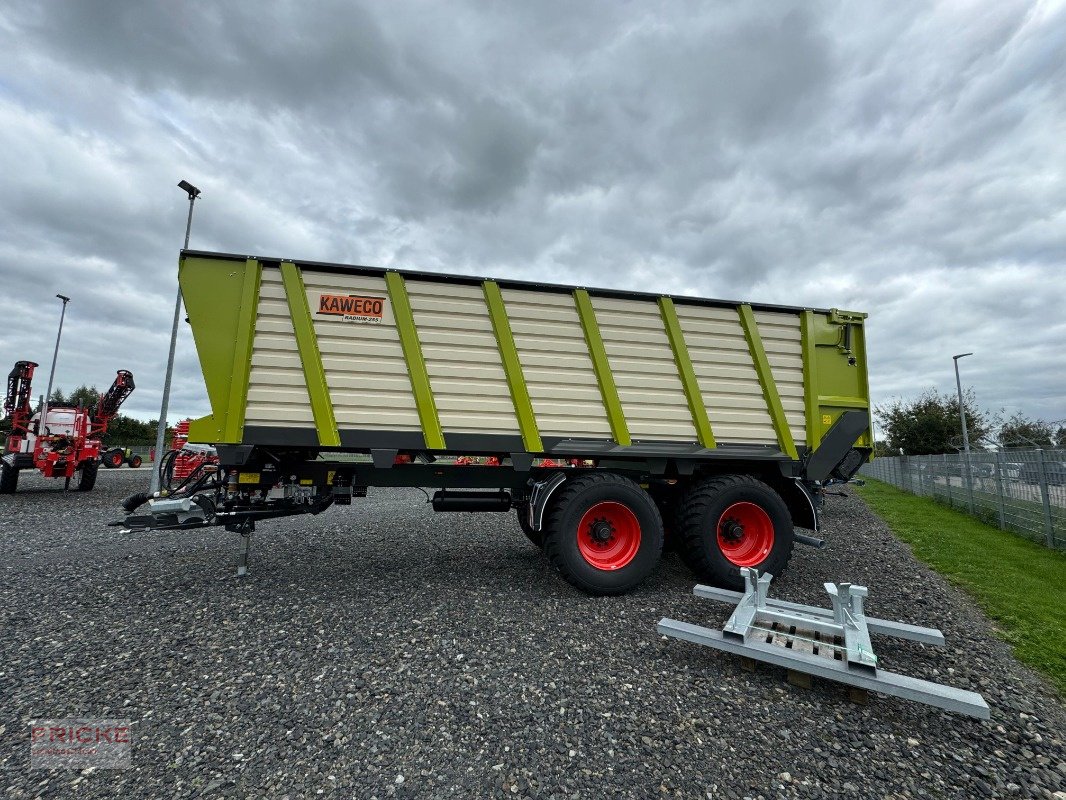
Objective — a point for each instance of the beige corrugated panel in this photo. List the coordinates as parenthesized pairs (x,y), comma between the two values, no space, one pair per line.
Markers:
(555,360)
(277,392)
(364,364)
(462,358)
(726,375)
(781,339)
(653,399)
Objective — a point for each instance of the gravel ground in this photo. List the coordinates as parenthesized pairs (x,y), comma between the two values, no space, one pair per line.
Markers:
(380,651)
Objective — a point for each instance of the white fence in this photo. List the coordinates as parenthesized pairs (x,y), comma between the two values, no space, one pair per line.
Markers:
(1023,491)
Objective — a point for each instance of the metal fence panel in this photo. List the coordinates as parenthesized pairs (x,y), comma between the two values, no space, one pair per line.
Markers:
(1023,491)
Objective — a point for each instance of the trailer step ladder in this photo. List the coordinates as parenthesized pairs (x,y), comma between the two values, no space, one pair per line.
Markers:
(827,643)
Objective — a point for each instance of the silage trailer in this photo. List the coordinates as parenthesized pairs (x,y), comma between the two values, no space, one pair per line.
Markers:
(616,418)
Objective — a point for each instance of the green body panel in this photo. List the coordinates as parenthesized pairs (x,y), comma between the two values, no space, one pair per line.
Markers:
(685,372)
(832,383)
(766,380)
(416,363)
(221,307)
(310,357)
(598,353)
(810,379)
(242,352)
(512,367)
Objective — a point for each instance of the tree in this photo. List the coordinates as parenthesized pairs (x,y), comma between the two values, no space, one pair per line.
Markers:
(1060,437)
(1020,431)
(126,431)
(930,423)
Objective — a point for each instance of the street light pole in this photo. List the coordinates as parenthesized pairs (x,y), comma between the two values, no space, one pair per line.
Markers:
(965,433)
(42,426)
(193,193)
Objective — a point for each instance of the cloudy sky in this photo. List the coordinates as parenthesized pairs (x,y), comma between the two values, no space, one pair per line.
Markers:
(904,159)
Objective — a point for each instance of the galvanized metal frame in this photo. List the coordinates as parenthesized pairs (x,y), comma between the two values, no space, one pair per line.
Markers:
(604,377)
(416,362)
(686,373)
(310,357)
(766,380)
(512,367)
(857,664)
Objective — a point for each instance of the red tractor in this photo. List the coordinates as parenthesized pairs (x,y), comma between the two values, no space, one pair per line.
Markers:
(67,443)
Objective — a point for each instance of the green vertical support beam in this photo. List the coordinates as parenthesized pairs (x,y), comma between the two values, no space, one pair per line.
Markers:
(810,380)
(608,390)
(512,367)
(766,380)
(685,371)
(310,357)
(416,363)
(242,352)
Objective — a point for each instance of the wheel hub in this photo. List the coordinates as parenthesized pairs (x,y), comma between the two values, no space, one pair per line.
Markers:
(601,531)
(745,534)
(608,535)
(732,531)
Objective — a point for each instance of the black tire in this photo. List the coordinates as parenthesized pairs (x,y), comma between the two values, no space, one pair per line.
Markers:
(536,537)
(87,480)
(638,551)
(135,461)
(704,511)
(9,478)
(113,458)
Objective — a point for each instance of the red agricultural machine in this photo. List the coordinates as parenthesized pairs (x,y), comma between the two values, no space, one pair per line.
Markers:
(68,441)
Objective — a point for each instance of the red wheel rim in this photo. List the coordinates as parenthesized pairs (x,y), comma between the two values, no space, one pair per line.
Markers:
(116,459)
(608,535)
(745,534)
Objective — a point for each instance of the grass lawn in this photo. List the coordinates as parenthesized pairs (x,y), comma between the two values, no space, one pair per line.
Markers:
(1019,584)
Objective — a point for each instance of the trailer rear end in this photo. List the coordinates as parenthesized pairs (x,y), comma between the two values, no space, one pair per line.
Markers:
(615,418)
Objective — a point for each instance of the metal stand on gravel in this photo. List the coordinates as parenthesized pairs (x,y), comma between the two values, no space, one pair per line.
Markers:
(245,529)
(827,643)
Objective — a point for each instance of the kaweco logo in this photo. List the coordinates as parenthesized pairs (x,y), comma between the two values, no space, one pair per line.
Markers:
(351,307)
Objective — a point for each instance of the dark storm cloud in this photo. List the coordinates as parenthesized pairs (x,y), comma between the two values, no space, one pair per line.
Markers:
(903,159)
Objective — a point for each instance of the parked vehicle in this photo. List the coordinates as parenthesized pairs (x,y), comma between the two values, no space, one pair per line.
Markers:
(68,442)
(712,422)
(117,456)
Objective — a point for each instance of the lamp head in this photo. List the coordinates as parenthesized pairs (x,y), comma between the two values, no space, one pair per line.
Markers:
(188,187)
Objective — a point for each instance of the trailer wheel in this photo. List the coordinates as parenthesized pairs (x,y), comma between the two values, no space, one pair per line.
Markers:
(603,533)
(734,521)
(9,478)
(88,476)
(135,461)
(537,537)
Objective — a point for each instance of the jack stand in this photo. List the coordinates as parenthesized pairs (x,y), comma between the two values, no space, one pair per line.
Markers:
(242,564)
(245,529)
(828,643)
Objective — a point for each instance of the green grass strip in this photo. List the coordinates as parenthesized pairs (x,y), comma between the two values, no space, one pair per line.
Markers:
(611,402)
(416,362)
(686,373)
(766,380)
(1019,584)
(310,357)
(242,351)
(512,367)
(810,380)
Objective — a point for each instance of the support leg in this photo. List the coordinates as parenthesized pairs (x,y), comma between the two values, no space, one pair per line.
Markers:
(242,564)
